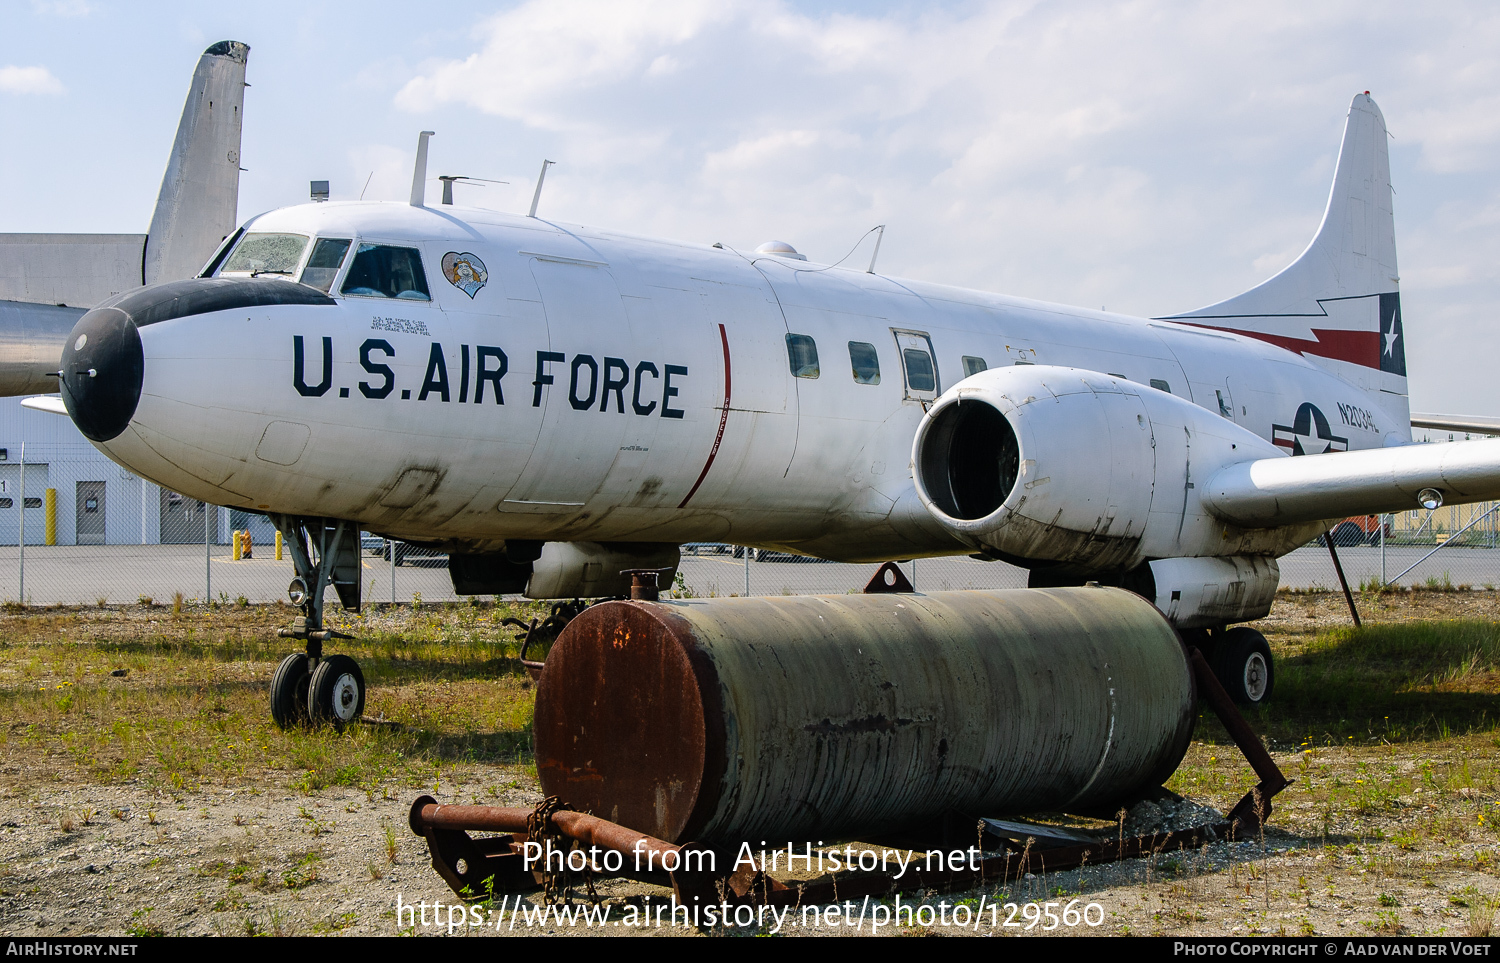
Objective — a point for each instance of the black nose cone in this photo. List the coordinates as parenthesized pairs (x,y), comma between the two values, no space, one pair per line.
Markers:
(102,370)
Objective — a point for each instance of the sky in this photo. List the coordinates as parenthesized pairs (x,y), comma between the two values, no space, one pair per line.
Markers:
(1145,157)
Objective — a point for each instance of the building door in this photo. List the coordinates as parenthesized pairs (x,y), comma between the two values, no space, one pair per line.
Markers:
(10,504)
(90,513)
(182,519)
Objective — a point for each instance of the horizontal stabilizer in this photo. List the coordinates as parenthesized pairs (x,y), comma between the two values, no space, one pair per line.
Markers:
(1284,491)
(1474,424)
(52,404)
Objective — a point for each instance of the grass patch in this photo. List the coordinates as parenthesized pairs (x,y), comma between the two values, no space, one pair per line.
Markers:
(1396,682)
(190,708)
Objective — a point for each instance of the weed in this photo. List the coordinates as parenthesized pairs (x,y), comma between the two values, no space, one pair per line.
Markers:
(146,601)
(315,826)
(1481,917)
(391,847)
(298,878)
(141,925)
(176,603)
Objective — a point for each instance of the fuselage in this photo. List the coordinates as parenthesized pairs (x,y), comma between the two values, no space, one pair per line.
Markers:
(562,383)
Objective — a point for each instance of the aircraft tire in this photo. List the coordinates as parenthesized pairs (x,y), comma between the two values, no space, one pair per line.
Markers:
(336,693)
(1243,665)
(289,685)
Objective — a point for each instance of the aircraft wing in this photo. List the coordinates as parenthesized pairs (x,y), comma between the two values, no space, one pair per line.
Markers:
(1474,424)
(1287,490)
(35,337)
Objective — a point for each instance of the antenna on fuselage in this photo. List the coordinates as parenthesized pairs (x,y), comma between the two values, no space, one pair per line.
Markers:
(878,238)
(419,172)
(539,178)
(448,180)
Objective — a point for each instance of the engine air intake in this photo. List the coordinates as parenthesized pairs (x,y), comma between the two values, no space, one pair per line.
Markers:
(969,460)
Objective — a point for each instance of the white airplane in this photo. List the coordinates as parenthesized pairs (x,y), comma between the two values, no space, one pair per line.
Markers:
(553,403)
(47,281)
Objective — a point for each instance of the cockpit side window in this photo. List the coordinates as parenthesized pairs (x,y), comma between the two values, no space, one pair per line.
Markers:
(261,254)
(327,257)
(386,271)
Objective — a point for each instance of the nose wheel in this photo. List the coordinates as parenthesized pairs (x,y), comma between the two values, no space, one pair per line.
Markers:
(309,688)
(336,692)
(289,686)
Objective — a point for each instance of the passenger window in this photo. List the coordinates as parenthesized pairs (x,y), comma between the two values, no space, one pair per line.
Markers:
(266,254)
(327,257)
(920,375)
(973,365)
(1161,385)
(385,271)
(866,363)
(802,354)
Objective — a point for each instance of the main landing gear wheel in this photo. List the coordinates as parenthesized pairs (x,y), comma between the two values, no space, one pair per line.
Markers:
(336,693)
(1242,663)
(289,685)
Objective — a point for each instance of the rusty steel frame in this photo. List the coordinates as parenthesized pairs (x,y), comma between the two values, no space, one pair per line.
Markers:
(477,868)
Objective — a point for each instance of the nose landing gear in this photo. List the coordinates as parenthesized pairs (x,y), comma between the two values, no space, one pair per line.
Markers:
(308,688)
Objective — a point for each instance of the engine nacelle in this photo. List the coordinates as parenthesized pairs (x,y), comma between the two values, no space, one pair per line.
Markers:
(1195,593)
(1042,463)
(560,570)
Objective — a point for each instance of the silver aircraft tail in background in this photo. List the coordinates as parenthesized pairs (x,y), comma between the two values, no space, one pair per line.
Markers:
(47,281)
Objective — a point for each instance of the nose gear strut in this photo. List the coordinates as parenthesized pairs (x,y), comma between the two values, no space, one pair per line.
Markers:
(324,551)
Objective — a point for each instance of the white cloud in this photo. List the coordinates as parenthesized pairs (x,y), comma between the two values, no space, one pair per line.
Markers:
(1151,156)
(29,80)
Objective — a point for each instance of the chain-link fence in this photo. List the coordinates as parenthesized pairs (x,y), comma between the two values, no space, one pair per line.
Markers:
(94,533)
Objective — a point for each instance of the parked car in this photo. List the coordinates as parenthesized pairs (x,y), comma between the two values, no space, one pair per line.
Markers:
(706,548)
(1359,530)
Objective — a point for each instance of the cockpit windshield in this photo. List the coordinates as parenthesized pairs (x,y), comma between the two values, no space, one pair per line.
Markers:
(327,257)
(266,254)
(386,271)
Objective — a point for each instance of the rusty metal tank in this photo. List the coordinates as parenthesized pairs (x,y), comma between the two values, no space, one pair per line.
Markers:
(840,717)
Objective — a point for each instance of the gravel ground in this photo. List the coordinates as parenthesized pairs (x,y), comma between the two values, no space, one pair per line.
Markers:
(83,855)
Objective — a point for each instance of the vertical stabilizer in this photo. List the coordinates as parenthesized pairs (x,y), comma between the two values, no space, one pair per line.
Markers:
(199,196)
(1339,301)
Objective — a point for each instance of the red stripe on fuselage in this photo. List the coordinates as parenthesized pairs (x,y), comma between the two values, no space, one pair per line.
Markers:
(723,418)
(1356,347)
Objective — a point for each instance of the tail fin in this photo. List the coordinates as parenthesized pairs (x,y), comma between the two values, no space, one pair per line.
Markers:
(199,196)
(1339,301)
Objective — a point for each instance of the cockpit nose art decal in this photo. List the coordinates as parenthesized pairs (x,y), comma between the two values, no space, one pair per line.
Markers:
(465,271)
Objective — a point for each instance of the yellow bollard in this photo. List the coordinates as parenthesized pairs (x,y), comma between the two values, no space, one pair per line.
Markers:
(278,544)
(236,545)
(51,506)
